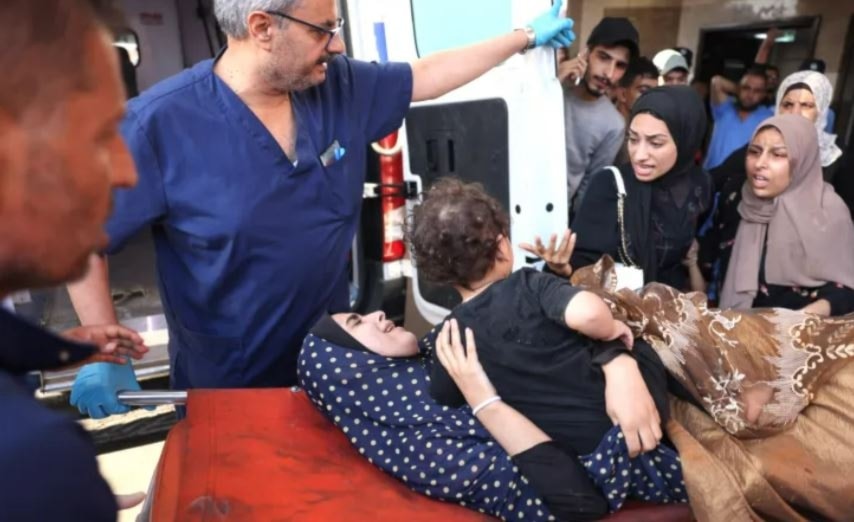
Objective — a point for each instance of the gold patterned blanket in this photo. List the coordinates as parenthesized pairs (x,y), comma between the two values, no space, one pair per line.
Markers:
(776,440)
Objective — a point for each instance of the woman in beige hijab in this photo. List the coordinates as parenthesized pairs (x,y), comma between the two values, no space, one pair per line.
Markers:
(807,93)
(791,248)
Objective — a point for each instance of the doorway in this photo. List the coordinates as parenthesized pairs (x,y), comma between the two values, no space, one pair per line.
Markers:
(730,50)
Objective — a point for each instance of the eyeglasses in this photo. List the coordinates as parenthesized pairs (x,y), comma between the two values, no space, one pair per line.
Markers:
(339,24)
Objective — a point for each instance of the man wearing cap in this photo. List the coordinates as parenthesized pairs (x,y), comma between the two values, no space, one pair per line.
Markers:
(594,127)
(672,67)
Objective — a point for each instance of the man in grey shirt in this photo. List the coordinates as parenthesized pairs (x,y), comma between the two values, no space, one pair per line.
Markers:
(594,127)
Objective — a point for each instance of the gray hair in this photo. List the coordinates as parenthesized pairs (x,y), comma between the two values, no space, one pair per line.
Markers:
(232,14)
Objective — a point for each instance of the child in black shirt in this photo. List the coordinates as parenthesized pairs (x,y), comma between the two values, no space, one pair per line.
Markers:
(552,351)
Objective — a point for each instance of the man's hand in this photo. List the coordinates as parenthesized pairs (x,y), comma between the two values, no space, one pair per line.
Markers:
(630,405)
(572,71)
(553,29)
(114,342)
(721,89)
(462,364)
(556,256)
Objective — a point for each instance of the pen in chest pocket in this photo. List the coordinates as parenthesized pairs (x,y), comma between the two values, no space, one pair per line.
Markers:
(332,154)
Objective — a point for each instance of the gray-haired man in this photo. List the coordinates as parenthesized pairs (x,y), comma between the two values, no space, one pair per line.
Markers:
(251,168)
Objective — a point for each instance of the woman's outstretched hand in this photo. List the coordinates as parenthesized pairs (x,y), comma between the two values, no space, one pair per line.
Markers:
(555,255)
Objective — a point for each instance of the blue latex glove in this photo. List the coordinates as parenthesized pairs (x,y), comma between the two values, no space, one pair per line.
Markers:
(552,29)
(96,386)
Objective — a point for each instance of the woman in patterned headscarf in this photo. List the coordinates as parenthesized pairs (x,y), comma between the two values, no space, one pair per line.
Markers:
(809,94)
(806,93)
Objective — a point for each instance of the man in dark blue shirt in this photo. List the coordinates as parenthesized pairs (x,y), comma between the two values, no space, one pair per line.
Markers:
(251,175)
(50,471)
(61,99)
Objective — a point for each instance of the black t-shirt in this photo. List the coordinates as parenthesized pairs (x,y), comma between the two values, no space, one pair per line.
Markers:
(546,371)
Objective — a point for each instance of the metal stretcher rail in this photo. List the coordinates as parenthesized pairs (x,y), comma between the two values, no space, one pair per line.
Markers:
(152,397)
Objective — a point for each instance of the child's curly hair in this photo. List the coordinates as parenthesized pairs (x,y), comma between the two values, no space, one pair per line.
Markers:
(454,232)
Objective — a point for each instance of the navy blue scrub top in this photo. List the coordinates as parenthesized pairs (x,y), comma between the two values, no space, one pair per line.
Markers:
(49,467)
(252,247)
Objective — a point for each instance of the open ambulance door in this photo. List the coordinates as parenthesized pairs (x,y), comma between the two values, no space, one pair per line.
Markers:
(505,130)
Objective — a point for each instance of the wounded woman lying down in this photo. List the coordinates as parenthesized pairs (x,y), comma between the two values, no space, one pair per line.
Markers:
(371,379)
(789,462)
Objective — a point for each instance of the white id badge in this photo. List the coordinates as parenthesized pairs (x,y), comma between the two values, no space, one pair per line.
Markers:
(628,277)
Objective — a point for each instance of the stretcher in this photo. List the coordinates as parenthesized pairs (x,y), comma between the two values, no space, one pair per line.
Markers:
(269,455)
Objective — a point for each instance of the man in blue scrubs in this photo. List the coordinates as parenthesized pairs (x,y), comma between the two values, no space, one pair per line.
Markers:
(61,100)
(737,110)
(251,170)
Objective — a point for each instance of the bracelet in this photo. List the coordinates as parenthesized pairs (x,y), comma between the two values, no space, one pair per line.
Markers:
(477,409)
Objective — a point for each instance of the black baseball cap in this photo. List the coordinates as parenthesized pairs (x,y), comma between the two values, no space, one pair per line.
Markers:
(813,64)
(615,31)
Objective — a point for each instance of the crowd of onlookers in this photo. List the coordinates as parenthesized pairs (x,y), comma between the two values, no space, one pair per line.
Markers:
(713,189)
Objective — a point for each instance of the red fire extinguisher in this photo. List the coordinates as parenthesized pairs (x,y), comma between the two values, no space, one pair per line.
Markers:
(391,192)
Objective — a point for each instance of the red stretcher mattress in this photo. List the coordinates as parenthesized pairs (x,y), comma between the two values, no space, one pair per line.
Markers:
(269,455)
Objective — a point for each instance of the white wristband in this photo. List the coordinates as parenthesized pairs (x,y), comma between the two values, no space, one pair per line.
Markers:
(477,409)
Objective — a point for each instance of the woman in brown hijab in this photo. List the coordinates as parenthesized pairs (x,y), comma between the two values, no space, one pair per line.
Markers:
(792,242)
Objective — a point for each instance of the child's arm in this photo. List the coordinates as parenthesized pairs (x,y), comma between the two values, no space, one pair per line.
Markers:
(586,313)
(630,405)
